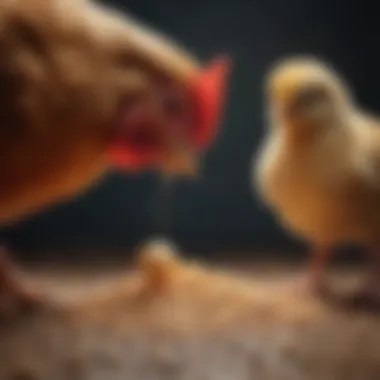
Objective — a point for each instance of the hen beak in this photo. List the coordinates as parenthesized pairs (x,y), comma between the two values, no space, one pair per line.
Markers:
(209,90)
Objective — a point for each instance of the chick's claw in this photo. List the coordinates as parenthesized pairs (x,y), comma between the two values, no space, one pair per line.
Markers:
(311,286)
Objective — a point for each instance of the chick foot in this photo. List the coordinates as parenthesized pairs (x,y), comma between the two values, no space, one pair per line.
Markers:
(310,286)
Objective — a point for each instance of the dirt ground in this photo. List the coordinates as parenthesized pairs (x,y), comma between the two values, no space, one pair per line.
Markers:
(170,319)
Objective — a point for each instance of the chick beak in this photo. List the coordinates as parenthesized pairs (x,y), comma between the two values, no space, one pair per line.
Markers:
(177,149)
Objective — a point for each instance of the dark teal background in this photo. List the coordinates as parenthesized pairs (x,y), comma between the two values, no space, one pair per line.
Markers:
(218,213)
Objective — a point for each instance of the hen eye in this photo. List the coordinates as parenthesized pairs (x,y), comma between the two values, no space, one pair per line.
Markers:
(173,105)
(174,102)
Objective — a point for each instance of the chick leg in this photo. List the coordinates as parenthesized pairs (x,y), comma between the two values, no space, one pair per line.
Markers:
(314,281)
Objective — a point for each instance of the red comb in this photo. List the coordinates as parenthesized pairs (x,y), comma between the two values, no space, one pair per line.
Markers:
(209,91)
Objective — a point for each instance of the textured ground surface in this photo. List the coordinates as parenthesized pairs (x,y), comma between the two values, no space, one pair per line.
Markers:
(173,320)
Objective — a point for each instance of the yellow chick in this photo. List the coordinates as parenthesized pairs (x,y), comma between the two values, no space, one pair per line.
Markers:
(318,168)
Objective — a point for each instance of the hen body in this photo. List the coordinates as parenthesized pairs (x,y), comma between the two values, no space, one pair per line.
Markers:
(65,69)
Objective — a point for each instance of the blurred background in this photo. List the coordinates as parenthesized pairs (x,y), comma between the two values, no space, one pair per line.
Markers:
(218,215)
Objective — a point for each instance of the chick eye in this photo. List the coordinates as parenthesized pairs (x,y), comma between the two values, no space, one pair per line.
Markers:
(310,96)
